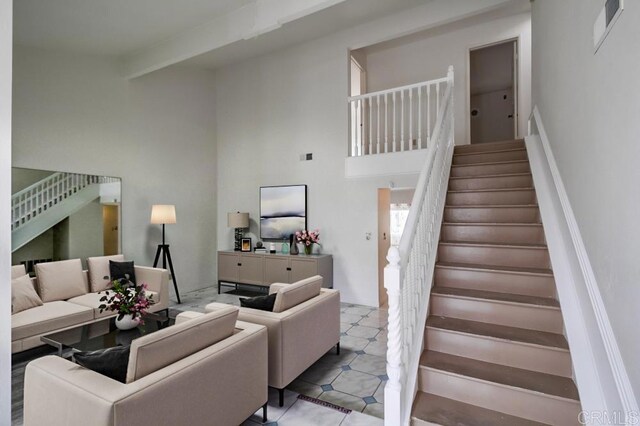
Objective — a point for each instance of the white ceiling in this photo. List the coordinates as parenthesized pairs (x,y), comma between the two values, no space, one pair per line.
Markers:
(328,21)
(109,27)
(146,35)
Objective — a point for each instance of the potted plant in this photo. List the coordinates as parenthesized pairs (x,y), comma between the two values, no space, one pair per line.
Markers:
(130,301)
(308,239)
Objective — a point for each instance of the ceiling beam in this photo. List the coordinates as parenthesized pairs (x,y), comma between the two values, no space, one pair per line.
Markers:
(249,21)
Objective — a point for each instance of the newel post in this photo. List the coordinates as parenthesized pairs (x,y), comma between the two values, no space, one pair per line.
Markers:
(393,410)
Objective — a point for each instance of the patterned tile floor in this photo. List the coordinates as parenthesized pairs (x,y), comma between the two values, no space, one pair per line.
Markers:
(356,378)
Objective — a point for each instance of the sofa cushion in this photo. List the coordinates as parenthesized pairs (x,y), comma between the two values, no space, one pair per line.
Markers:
(18,271)
(99,269)
(49,317)
(110,362)
(23,295)
(164,347)
(296,293)
(91,300)
(60,280)
(120,270)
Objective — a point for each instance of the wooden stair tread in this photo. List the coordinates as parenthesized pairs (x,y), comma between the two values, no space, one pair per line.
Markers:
(522,335)
(491,268)
(501,175)
(544,383)
(507,149)
(527,224)
(491,206)
(498,245)
(464,191)
(490,163)
(449,412)
(495,296)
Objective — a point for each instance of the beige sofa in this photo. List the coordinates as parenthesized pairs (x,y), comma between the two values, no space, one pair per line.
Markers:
(71,298)
(201,371)
(304,325)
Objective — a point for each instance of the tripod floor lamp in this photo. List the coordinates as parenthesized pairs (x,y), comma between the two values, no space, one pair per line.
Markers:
(163,214)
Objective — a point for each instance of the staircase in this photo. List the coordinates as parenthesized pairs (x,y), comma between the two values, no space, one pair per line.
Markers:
(494,350)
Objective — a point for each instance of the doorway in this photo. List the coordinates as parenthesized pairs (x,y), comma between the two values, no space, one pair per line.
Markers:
(110,220)
(493,92)
(393,211)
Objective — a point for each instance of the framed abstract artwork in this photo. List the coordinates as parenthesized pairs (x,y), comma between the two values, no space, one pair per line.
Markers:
(283,211)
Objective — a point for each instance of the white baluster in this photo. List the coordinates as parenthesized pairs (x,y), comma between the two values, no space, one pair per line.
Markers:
(370,126)
(393,391)
(402,120)
(437,99)
(394,123)
(354,123)
(428,115)
(378,108)
(419,117)
(410,119)
(386,125)
(360,128)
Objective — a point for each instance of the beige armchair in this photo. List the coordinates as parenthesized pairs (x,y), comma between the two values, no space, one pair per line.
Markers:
(304,325)
(201,370)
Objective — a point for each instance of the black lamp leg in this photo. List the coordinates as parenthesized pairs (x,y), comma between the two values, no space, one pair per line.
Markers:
(166,256)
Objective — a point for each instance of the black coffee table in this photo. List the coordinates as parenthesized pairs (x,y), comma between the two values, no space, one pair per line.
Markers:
(103,334)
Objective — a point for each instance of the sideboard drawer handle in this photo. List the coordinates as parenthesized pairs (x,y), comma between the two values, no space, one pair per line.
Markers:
(288,269)
(239,264)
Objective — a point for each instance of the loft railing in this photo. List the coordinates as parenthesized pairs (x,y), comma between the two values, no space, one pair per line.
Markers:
(409,275)
(394,120)
(48,192)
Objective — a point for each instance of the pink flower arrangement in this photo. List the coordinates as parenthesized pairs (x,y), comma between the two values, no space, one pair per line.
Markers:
(308,237)
(126,298)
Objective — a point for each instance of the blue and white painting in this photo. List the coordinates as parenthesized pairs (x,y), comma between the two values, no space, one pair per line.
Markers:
(283,211)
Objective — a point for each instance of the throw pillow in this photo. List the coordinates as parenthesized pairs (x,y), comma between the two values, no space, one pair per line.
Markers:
(110,362)
(119,270)
(264,303)
(23,295)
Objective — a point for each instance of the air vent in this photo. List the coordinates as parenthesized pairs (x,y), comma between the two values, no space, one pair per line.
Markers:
(605,21)
(306,157)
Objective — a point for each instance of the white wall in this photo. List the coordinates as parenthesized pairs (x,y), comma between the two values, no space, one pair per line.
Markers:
(75,113)
(273,108)
(426,56)
(5,215)
(590,106)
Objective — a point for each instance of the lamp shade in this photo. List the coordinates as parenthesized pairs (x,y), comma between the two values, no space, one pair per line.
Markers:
(163,214)
(238,220)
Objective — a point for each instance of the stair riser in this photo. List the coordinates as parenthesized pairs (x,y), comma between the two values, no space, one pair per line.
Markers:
(492,214)
(492,146)
(529,285)
(529,357)
(512,315)
(495,256)
(490,169)
(493,234)
(529,405)
(496,198)
(490,157)
(494,182)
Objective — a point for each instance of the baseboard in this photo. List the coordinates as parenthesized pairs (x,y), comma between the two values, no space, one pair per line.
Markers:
(599,370)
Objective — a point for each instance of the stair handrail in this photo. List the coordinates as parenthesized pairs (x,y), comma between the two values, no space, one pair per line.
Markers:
(409,275)
(33,200)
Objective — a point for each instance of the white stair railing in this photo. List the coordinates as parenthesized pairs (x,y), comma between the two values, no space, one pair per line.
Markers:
(394,120)
(36,199)
(409,275)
